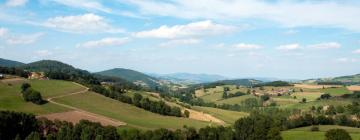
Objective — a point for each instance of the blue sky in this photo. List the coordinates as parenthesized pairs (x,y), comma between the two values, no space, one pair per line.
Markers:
(244,38)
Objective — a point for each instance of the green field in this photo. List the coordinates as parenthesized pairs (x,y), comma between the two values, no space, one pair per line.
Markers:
(133,116)
(235,100)
(227,116)
(11,99)
(304,133)
(307,105)
(336,91)
(51,88)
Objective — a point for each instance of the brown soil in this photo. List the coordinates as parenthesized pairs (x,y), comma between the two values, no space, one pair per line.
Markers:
(75,116)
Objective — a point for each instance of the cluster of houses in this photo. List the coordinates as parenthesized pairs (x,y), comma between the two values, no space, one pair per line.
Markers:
(37,75)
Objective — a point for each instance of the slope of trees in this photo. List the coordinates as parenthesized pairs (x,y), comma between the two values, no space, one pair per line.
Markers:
(14,71)
(159,107)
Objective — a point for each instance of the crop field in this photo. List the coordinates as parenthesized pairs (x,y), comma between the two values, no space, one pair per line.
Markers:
(313,86)
(51,88)
(304,133)
(11,99)
(353,88)
(226,115)
(336,91)
(317,103)
(133,116)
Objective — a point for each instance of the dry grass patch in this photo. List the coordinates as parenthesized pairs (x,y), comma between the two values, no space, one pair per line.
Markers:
(353,88)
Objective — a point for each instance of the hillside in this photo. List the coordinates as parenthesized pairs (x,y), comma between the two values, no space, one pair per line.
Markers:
(132,76)
(349,80)
(9,63)
(243,82)
(189,78)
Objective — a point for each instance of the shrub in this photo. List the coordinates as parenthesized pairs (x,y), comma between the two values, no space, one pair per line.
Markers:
(337,134)
(186,113)
(314,128)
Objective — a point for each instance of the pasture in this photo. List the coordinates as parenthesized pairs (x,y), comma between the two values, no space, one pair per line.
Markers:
(11,99)
(304,133)
(134,117)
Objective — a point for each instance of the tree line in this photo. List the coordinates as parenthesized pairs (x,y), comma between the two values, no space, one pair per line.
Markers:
(14,71)
(159,107)
(14,125)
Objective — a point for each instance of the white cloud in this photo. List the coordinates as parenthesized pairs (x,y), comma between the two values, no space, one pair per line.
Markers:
(3,32)
(289,47)
(326,45)
(43,53)
(86,23)
(85,4)
(104,42)
(195,29)
(291,32)
(346,60)
(18,39)
(243,46)
(357,51)
(23,39)
(178,42)
(14,3)
(287,13)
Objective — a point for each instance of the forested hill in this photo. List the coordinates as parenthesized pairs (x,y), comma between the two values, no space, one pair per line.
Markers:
(9,63)
(132,76)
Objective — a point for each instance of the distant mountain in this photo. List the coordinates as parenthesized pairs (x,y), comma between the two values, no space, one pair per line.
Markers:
(9,63)
(188,78)
(132,76)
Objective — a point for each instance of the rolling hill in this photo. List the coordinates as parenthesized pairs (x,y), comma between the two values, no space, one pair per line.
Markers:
(349,80)
(9,63)
(132,76)
(189,78)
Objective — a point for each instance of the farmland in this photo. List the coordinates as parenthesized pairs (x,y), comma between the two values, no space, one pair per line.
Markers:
(305,133)
(133,116)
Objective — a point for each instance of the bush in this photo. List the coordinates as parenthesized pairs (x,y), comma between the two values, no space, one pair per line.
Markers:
(32,96)
(314,128)
(186,113)
(337,134)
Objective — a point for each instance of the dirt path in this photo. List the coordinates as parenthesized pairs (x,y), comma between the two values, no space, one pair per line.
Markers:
(78,114)
(194,114)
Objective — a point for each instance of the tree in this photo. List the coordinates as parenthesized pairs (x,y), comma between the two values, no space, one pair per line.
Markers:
(274,134)
(136,100)
(33,96)
(265,97)
(303,100)
(225,95)
(325,96)
(25,86)
(186,113)
(337,134)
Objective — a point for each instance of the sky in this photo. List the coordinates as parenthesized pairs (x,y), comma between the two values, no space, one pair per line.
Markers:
(235,38)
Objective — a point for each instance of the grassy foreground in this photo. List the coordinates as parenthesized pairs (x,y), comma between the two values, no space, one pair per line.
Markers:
(304,133)
(11,99)
(133,116)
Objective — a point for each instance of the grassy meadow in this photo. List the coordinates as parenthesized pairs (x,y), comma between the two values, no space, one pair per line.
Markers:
(304,133)
(135,117)
(11,98)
